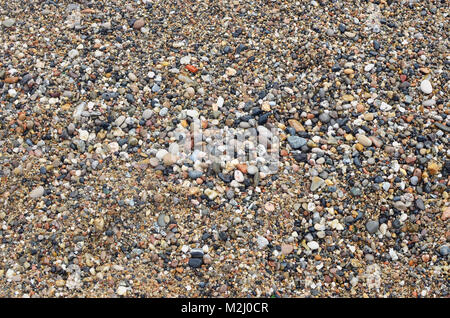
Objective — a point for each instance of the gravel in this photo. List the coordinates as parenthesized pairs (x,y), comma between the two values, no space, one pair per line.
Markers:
(115,181)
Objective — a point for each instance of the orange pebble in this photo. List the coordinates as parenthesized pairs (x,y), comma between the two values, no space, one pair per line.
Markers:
(192,68)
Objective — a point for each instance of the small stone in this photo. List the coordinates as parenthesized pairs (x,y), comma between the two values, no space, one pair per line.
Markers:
(83,134)
(324,118)
(316,183)
(162,220)
(73,53)
(420,204)
(185,59)
(238,176)
(433,168)
(386,186)
(262,242)
(356,191)
(446,214)
(161,153)
(296,125)
(195,262)
(9,22)
(296,142)
(197,253)
(190,91)
(369,67)
(220,102)
(230,71)
(169,159)
(372,226)
(269,207)
(194,174)
(121,291)
(252,169)
(286,249)
(364,140)
(132,77)
(444,250)
(211,194)
(138,24)
(147,114)
(313,245)
(426,87)
(99,224)
(37,192)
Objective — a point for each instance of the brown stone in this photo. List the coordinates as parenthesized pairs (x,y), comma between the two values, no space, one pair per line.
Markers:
(11,80)
(138,24)
(286,249)
(296,125)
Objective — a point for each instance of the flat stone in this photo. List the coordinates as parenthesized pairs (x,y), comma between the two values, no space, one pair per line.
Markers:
(194,174)
(296,125)
(195,262)
(313,245)
(138,24)
(296,142)
(286,249)
(426,87)
(163,220)
(420,204)
(317,182)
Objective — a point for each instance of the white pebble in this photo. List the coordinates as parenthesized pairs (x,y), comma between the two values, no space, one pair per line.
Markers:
(426,87)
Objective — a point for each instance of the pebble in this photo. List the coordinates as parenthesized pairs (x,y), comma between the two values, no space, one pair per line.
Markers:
(364,140)
(313,245)
(372,226)
(238,176)
(316,183)
(37,192)
(252,169)
(262,242)
(426,87)
(8,23)
(138,24)
(369,67)
(121,291)
(147,114)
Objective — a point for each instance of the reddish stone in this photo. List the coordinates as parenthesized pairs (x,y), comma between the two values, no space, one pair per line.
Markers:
(192,68)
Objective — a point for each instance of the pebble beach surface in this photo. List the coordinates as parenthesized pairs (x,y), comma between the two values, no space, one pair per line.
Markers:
(95,200)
